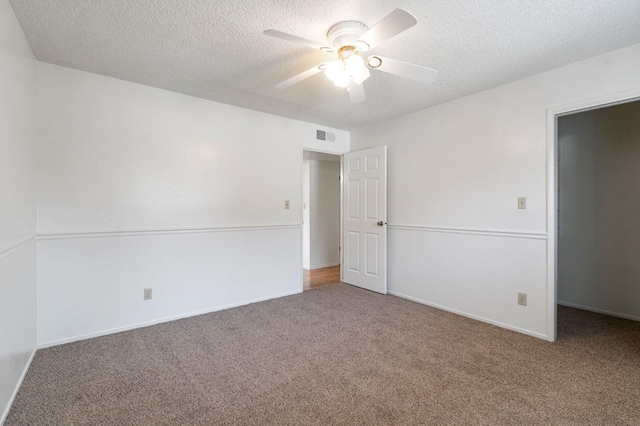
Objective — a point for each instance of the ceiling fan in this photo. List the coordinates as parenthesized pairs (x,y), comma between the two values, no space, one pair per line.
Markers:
(351,38)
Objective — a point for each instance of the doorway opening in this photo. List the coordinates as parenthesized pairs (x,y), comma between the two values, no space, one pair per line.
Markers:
(593,216)
(320,219)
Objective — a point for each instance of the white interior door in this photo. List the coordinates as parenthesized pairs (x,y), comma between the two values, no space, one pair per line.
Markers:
(365,219)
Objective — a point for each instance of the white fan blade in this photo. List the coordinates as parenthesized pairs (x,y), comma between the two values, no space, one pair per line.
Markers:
(356,92)
(299,77)
(405,69)
(299,40)
(391,25)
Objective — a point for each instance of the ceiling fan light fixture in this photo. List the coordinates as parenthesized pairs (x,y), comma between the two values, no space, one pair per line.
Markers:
(334,70)
(337,73)
(374,61)
(356,68)
(342,81)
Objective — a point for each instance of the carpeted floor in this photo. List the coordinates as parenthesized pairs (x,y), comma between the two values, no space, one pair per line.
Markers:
(339,355)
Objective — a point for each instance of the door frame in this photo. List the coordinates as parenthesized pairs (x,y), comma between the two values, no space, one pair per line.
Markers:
(552,188)
(341,155)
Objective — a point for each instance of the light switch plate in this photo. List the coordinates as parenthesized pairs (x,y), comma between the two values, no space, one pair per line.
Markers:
(522,299)
(522,202)
(286,204)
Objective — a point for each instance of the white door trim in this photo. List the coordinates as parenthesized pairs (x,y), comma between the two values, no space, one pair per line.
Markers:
(552,188)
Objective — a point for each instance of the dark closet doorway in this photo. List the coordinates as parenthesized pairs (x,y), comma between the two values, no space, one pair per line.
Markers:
(598,214)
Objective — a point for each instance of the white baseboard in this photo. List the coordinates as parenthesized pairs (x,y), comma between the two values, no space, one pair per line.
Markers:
(18,385)
(599,311)
(468,315)
(325,265)
(161,320)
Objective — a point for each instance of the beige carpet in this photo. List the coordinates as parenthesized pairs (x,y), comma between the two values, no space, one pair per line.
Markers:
(339,355)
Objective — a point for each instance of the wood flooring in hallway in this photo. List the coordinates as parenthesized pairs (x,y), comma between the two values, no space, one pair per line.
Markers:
(320,277)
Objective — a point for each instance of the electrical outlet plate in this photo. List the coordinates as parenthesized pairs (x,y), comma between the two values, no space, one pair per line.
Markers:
(522,299)
(148,293)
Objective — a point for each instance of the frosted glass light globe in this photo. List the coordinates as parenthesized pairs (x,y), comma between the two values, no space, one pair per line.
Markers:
(334,69)
(357,69)
(336,72)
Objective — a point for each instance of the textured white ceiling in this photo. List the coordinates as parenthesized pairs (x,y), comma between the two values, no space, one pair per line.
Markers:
(215,49)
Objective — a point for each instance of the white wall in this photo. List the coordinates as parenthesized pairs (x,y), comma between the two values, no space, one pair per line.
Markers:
(17,206)
(324,205)
(455,173)
(599,236)
(140,187)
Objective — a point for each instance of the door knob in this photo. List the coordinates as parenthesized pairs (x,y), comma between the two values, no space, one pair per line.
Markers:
(380,223)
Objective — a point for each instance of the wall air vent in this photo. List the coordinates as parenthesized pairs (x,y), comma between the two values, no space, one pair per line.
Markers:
(321,135)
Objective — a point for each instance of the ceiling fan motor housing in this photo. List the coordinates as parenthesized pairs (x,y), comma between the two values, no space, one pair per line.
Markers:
(346,33)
